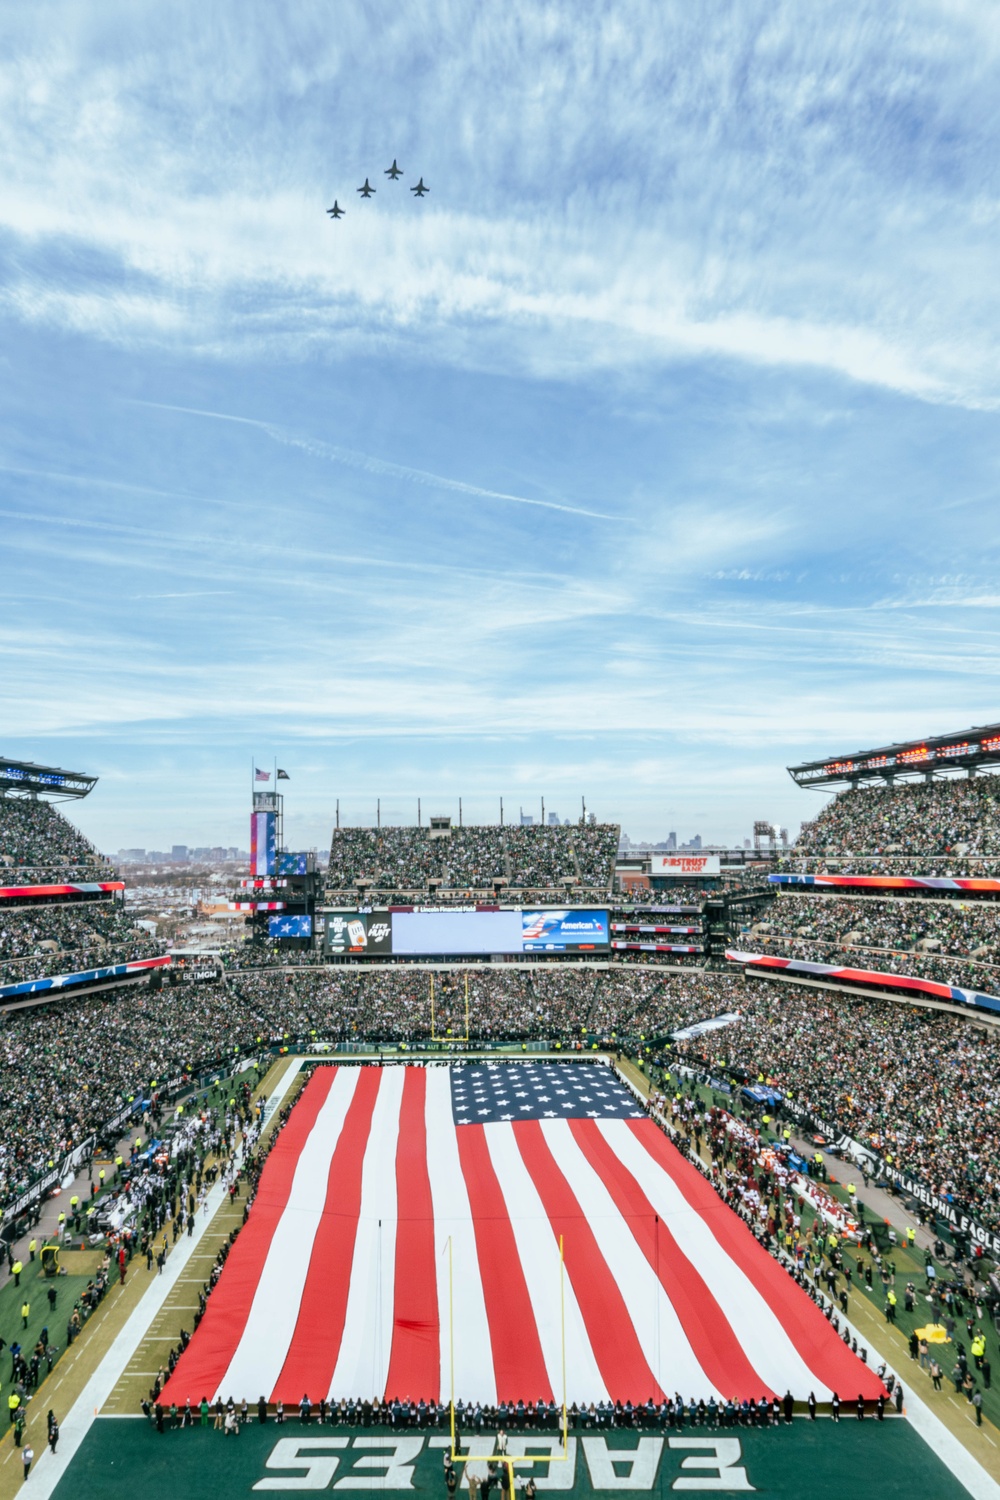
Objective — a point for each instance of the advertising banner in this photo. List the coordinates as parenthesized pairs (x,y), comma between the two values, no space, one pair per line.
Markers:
(381,933)
(563,931)
(360,933)
(951,1212)
(652,927)
(685,866)
(635,944)
(346,932)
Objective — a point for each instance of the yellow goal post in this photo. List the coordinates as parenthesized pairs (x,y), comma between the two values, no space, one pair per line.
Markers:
(509,1460)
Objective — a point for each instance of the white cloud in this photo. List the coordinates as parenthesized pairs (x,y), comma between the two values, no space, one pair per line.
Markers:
(607,186)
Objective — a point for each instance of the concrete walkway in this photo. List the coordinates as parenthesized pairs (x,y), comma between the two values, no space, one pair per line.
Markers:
(878,1203)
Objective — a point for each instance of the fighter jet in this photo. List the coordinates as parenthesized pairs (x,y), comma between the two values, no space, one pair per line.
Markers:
(336,212)
(367,190)
(420,190)
(392,171)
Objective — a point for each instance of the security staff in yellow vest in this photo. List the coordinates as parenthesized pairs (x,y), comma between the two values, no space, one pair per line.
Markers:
(978,1347)
(890,1307)
(32,1246)
(13,1402)
(16,1270)
(911,1236)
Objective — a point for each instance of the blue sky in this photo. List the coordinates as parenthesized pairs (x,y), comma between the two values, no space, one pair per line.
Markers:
(656,449)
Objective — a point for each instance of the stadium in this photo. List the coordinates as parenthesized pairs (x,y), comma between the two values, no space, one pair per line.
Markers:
(498,1156)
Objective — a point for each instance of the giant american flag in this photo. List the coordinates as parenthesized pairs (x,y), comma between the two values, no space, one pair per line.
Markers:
(401,1205)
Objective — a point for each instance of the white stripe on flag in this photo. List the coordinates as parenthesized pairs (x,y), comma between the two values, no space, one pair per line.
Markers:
(363,1361)
(538,1252)
(474,1377)
(764,1341)
(658,1328)
(262,1349)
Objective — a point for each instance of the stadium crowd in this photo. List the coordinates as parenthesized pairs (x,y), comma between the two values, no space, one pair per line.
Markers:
(953,927)
(532,858)
(35,837)
(950,943)
(81,934)
(920,1087)
(944,817)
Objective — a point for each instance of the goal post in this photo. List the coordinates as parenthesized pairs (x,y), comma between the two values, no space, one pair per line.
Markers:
(510,1460)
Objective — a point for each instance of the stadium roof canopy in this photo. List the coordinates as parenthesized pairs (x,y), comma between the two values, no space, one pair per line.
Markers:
(971,750)
(22,778)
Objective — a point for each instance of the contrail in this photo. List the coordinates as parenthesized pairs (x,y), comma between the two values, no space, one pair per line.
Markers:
(370,465)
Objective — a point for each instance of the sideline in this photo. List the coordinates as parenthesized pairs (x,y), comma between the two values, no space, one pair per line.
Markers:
(950,1450)
(927,1424)
(49,1468)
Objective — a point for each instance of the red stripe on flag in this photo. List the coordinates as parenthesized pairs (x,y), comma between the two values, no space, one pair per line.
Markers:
(623,1366)
(415,1357)
(518,1362)
(207,1358)
(827,1356)
(713,1342)
(319,1328)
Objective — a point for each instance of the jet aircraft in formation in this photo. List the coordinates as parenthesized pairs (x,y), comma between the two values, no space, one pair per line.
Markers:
(367,191)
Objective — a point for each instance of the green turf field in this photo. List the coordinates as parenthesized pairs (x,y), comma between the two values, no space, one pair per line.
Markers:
(821,1460)
(34,1290)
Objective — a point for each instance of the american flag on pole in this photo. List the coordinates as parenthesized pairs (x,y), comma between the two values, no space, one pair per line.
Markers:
(339,1284)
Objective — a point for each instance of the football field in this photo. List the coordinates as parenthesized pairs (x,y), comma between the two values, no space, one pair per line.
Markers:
(362,1259)
(822,1459)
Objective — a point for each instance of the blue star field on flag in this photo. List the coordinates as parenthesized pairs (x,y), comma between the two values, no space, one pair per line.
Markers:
(493,1092)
